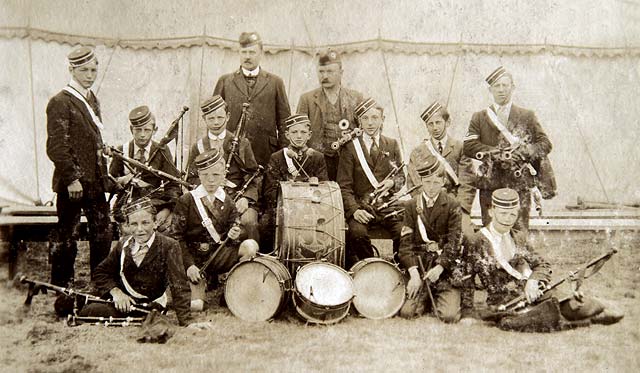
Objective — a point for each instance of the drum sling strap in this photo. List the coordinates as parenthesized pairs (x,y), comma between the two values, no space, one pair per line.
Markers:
(363,163)
(197,194)
(495,247)
(162,300)
(421,228)
(447,167)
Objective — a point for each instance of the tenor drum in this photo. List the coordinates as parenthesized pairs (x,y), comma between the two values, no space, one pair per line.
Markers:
(257,289)
(379,288)
(323,293)
(310,224)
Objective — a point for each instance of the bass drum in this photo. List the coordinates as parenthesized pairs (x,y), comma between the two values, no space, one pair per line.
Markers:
(379,288)
(310,224)
(323,293)
(257,289)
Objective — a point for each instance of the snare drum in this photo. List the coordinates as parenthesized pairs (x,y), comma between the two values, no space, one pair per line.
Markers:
(323,293)
(257,289)
(379,289)
(310,224)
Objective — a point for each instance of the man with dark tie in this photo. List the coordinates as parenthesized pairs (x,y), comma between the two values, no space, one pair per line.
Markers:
(364,165)
(80,179)
(265,94)
(504,125)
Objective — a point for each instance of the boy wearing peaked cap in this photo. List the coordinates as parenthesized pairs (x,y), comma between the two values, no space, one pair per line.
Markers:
(80,179)
(297,162)
(430,246)
(263,91)
(242,163)
(137,183)
(508,266)
(202,219)
(327,106)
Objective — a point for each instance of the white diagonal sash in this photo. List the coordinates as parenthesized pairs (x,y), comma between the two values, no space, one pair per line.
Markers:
(290,166)
(162,300)
(447,167)
(363,163)
(125,151)
(503,263)
(197,194)
(80,97)
(511,138)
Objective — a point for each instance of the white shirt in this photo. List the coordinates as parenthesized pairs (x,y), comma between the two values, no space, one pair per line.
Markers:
(443,141)
(147,150)
(251,73)
(221,136)
(505,109)
(138,252)
(505,248)
(429,201)
(368,140)
(75,85)
(219,195)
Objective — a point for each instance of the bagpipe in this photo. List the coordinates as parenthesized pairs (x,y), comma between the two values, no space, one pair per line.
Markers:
(236,136)
(383,205)
(80,299)
(520,305)
(346,135)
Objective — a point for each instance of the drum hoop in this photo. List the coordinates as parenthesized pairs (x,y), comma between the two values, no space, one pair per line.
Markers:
(282,282)
(356,268)
(331,265)
(317,321)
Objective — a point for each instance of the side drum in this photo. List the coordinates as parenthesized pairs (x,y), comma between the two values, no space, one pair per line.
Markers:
(310,224)
(323,293)
(257,289)
(379,288)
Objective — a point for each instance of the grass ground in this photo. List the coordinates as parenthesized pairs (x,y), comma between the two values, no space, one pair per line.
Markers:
(39,343)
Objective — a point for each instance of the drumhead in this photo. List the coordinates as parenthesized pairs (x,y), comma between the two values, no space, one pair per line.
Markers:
(324,284)
(255,290)
(379,288)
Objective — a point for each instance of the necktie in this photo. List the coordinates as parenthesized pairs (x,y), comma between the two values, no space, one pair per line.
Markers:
(502,114)
(374,151)
(93,102)
(140,156)
(440,147)
(139,255)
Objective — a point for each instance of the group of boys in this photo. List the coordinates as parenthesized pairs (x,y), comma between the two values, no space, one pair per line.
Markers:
(230,215)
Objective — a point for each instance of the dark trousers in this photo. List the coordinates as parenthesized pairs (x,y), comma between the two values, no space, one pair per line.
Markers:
(525,205)
(63,245)
(332,166)
(358,241)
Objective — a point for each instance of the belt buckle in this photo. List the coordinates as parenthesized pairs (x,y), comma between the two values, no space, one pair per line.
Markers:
(207,222)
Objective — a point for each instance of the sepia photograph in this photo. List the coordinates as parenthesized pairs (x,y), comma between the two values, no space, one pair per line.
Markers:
(319,186)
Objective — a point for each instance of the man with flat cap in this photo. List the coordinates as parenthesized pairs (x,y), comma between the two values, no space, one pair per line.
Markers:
(80,178)
(265,94)
(508,267)
(138,183)
(511,144)
(328,106)
(242,163)
(364,166)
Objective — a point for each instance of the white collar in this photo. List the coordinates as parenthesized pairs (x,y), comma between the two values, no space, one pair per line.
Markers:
(443,141)
(220,194)
(368,140)
(147,149)
(507,106)
(495,233)
(252,73)
(75,85)
(427,199)
(221,136)
(136,246)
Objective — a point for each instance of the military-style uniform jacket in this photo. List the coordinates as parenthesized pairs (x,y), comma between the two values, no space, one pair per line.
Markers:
(442,224)
(484,136)
(313,165)
(73,142)
(269,108)
(502,287)
(161,267)
(314,105)
(162,161)
(353,182)
(187,228)
(242,167)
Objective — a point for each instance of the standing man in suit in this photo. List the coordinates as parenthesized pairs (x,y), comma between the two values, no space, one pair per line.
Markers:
(327,106)
(364,164)
(80,179)
(265,94)
(137,183)
(504,125)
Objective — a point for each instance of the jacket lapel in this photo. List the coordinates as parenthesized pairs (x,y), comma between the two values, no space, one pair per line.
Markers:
(240,83)
(152,253)
(261,83)
(365,150)
(514,116)
(83,109)
(448,148)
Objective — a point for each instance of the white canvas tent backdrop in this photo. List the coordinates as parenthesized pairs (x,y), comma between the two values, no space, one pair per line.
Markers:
(577,65)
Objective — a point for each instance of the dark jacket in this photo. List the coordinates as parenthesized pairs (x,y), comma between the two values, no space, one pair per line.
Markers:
(312,105)
(161,267)
(73,142)
(269,108)
(353,182)
(313,165)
